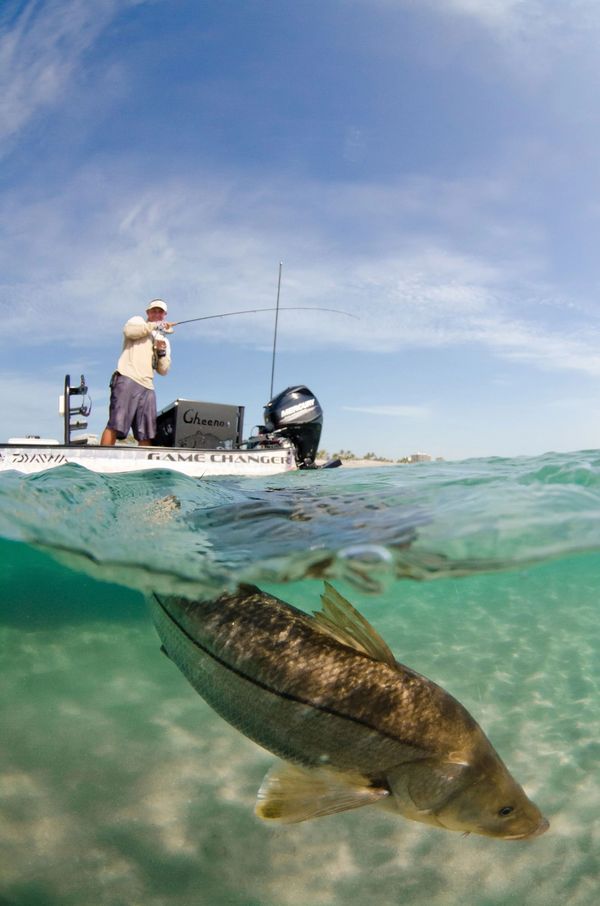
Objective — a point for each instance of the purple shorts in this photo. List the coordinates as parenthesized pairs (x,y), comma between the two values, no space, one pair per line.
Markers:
(131,406)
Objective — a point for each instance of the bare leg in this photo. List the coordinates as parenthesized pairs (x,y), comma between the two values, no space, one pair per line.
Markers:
(144,443)
(109,438)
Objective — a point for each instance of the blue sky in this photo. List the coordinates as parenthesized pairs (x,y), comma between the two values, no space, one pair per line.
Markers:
(431,166)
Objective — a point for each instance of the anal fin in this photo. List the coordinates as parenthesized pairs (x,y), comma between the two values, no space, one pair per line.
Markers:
(290,793)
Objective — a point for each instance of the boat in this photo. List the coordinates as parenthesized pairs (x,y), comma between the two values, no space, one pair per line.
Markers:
(195,438)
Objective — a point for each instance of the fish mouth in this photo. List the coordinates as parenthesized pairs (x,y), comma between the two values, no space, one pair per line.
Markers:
(536,832)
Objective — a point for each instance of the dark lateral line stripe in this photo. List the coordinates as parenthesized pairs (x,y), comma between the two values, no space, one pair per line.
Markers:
(285,695)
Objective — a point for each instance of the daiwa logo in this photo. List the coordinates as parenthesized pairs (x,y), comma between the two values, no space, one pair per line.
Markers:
(19,456)
(299,407)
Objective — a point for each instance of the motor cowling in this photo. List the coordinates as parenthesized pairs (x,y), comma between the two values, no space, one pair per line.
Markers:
(296,414)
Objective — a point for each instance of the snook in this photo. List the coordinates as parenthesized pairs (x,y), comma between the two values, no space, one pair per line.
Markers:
(353,726)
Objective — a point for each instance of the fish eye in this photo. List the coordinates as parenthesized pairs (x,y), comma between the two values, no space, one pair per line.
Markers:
(506,810)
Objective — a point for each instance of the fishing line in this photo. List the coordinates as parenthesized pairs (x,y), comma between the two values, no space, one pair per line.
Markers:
(253,311)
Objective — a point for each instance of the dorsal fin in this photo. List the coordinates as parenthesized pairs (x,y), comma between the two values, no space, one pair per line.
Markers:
(340,620)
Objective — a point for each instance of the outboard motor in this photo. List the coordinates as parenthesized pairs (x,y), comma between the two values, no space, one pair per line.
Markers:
(296,414)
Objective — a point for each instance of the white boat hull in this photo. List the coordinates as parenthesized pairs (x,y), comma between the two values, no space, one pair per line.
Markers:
(109,460)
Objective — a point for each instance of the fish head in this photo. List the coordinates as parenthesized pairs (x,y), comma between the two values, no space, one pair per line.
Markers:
(493,805)
(473,793)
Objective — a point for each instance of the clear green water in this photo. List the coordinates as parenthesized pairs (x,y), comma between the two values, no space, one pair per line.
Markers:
(118,785)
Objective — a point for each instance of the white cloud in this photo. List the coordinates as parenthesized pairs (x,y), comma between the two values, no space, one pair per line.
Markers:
(527,40)
(589,405)
(40,49)
(393,411)
(30,405)
(179,240)
(425,262)
(523,19)
(493,13)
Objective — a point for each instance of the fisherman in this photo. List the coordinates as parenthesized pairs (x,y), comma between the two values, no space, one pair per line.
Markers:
(132,396)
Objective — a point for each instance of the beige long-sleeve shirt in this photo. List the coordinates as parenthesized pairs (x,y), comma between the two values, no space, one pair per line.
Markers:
(136,359)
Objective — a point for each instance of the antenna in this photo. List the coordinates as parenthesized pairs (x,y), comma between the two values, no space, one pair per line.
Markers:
(275,332)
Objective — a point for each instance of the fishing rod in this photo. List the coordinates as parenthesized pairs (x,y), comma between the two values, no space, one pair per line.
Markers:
(253,311)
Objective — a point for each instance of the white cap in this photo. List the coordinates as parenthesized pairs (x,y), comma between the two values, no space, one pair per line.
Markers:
(157,303)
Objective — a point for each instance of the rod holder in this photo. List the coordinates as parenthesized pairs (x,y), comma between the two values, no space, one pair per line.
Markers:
(69,411)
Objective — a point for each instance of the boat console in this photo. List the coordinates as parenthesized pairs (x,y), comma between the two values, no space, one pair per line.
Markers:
(199,425)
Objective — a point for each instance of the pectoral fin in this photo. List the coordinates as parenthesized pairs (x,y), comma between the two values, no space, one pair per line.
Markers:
(343,622)
(290,794)
(427,785)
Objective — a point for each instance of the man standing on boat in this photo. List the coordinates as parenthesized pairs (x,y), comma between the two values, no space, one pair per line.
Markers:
(132,397)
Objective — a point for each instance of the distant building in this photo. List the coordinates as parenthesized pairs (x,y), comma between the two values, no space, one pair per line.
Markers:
(419,457)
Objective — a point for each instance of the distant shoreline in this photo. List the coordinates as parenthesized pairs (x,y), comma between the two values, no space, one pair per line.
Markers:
(364,463)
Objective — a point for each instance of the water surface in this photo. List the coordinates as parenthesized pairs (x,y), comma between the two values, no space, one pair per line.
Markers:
(119,785)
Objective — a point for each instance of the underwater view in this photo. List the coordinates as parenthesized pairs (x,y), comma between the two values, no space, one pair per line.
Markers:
(119,784)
